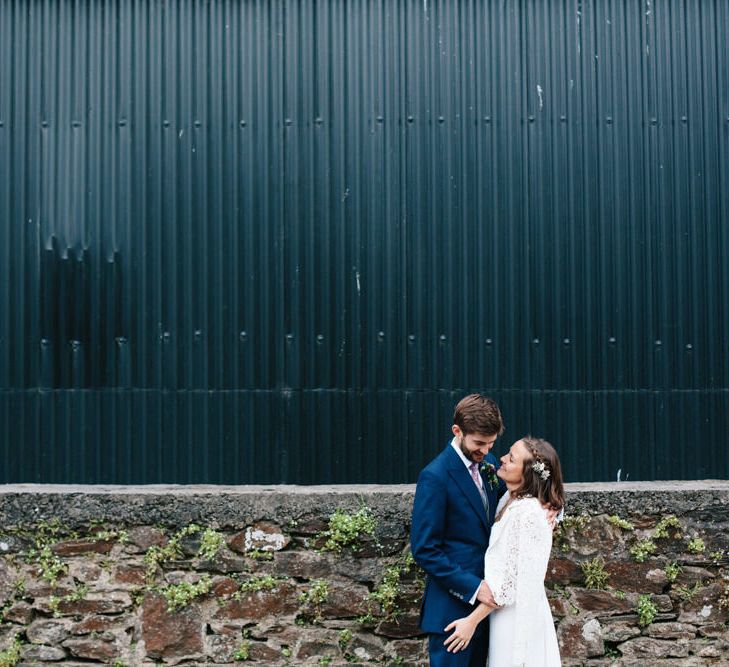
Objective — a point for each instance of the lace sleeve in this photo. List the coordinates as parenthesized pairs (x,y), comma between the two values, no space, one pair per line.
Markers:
(502,568)
(534,546)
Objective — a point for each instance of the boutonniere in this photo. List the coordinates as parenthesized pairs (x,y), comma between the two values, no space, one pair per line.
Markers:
(489,469)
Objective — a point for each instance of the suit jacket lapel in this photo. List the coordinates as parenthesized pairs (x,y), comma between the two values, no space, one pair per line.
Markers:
(462,478)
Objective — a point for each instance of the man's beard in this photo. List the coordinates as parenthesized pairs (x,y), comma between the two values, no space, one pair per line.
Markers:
(466,453)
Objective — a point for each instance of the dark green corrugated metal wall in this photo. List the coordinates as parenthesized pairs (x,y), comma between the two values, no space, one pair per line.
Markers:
(276,241)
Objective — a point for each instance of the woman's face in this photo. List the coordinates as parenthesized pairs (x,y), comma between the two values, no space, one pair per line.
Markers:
(512,464)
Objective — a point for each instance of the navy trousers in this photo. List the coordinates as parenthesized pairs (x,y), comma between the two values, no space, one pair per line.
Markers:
(474,656)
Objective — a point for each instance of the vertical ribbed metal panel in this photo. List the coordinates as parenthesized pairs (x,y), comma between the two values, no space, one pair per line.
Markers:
(277,241)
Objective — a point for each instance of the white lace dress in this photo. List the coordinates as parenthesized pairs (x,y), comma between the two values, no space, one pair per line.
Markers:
(522,631)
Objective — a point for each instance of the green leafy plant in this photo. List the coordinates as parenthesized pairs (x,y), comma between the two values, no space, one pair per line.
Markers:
(642,550)
(256,584)
(346,530)
(594,573)
(672,571)
(244,651)
(647,611)
(325,660)
(11,655)
(79,592)
(211,542)
(316,596)
(121,536)
(687,593)
(570,524)
(19,587)
(155,556)
(180,595)
(620,523)
(611,651)
(669,522)
(696,546)
(717,556)
(259,554)
(51,566)
(366,620)
(345,636)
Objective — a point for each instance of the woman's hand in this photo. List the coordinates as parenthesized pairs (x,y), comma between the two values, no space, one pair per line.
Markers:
(463,629)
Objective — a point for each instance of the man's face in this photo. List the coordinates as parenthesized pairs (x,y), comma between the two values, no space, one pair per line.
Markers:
(474,445)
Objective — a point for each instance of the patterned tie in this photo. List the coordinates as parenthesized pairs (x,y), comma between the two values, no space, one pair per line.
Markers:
(477,481)
(474,474)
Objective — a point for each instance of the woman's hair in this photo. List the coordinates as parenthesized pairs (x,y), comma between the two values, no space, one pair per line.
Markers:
(542,475)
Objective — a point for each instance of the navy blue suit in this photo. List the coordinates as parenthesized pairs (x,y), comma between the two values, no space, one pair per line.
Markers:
(449,537)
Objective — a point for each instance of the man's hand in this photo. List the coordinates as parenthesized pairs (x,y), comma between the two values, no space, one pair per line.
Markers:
(485,595)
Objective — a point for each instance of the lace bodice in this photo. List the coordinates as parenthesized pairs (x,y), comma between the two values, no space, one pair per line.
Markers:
(516,563)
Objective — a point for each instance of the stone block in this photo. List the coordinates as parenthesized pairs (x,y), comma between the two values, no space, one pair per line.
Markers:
(142,538)
(592,637)
(317,644)
(648,648)
(222,648)
(113,602)
(563,572)
(82,547)
(709,649)
(96,623)
(261,652)
(569,636)
(619,631)
(130,574)
(262,536)
(303,564)
(225,562)
(20,612)
(412,652)
(85,571)
(224,587)
(634,577)
(171,634)
(48,631)
(36,653)
(345,601)
(93,649)
(280,600)
(714,630)
(13,544)
(600,603)
(405,626)
(672,630)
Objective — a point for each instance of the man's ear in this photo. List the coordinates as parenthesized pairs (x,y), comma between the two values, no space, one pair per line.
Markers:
(457,431)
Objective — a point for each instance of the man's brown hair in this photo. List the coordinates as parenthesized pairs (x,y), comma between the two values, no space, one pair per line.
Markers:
(478,414)
(549,491)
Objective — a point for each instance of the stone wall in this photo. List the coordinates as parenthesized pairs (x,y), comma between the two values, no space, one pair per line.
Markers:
(321,575)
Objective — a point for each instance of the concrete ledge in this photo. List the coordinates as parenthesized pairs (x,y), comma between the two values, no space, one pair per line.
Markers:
(237,506)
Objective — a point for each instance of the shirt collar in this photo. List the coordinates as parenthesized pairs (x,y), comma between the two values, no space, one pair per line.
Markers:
(466,462)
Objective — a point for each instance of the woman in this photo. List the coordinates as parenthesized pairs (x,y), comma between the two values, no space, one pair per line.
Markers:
(521,629)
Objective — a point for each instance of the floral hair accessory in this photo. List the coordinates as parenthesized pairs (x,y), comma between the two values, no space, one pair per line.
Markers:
(541,469)
(489,469)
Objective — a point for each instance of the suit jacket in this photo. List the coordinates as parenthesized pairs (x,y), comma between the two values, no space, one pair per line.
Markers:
(449,536)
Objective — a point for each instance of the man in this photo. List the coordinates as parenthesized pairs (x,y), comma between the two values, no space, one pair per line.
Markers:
(455,504)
